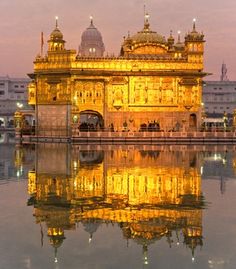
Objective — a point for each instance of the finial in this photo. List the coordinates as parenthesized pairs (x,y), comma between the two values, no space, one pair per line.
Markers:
(179,32)
(144,12)
(171,33)
(194,24)
(146,17)
(55,255)
(145,255)
(56,18)
(91,19)
(146,22)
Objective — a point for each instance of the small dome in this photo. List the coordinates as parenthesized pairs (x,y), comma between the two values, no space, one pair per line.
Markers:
(56,34)
(91,42)
(194,35)
(56,42)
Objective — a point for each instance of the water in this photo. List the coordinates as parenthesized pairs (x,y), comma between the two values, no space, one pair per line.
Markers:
(114,207)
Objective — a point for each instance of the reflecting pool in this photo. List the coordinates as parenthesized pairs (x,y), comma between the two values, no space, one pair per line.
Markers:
(147,206)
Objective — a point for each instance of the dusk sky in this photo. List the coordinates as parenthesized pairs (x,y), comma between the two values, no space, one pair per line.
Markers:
(22,21)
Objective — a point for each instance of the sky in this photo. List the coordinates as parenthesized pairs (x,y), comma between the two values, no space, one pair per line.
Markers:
(22,21)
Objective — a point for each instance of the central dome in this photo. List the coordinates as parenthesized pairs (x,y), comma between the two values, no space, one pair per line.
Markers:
(145,42)
(146,36)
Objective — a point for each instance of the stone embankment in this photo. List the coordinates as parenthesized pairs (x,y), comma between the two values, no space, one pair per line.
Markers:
(133,137)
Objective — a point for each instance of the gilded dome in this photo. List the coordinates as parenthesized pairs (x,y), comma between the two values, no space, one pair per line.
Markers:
(148,36)
(145,42)
(194,35)
(56,42)
(56,34)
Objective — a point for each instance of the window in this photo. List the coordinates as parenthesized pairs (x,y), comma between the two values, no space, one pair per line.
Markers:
(3,84)
(92,49)
(22,86)
(16,86)
(2,92)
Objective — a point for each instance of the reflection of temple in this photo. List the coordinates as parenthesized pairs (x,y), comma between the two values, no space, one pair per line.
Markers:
(150,194)
(153,81)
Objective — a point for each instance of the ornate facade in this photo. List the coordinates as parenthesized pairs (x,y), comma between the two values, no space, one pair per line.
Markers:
(153,80)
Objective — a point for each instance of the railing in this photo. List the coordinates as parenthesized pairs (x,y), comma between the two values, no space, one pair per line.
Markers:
(75,135)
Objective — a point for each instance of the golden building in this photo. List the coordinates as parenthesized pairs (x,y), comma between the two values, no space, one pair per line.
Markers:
(152,81)
(149,194)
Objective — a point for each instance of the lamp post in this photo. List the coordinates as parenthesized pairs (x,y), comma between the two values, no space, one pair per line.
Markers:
(225,120)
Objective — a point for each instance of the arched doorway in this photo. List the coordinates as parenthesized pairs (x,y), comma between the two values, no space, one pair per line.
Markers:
(193,121)
(91,121)
(2,122)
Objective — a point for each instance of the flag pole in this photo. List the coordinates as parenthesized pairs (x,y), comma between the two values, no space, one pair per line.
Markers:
(42,43)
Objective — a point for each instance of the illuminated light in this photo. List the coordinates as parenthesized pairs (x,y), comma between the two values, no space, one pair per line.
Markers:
(19,105)
(56,17)
(75,165)
(90,240)
(91,17)
(55,260)
(18,173)
(201,170)
(179,32)
(194,19)
(177,243)
(193,259)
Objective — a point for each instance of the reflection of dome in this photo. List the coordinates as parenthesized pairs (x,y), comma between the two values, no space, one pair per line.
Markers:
(91,42)
(91,157)
(91,226)
(57,237)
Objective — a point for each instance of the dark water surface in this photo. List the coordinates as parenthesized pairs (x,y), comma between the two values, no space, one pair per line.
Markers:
(117,206)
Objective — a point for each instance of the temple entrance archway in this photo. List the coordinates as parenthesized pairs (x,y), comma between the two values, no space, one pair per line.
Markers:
(193,121)
(91,121)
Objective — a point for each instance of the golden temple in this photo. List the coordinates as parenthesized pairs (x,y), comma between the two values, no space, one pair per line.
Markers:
(153,82)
